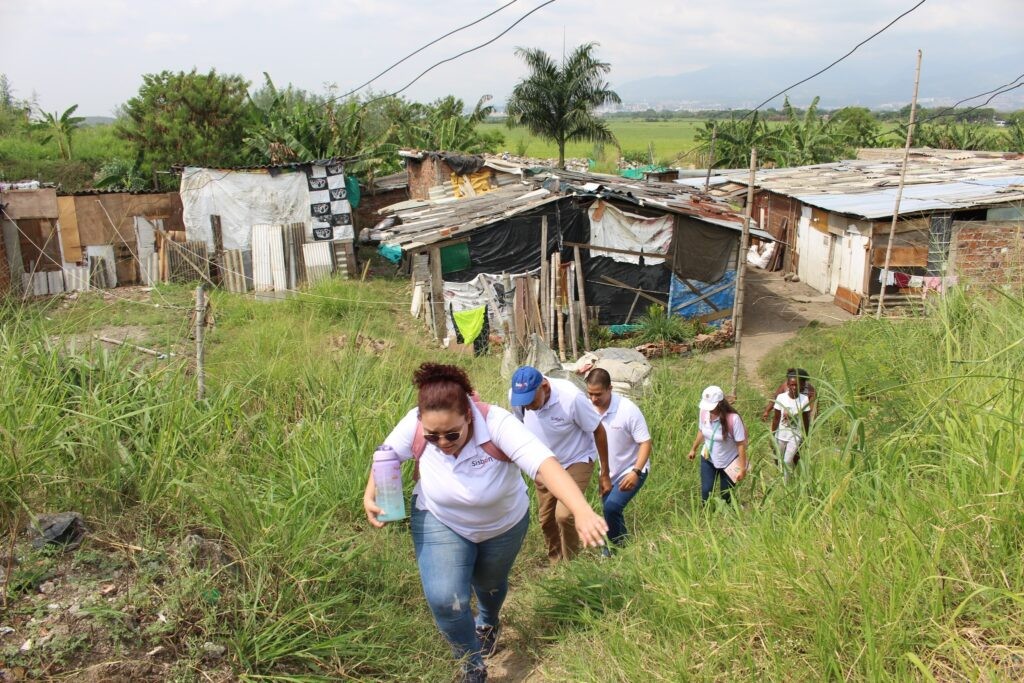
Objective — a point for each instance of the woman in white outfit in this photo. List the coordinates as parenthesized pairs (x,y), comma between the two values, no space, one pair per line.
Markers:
(791,420)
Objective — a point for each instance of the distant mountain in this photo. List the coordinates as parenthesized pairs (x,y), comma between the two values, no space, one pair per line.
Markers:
(97,120)
(733,84)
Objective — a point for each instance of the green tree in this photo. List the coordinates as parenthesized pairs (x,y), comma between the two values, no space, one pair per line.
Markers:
(970,136)
(558,101)
(858,124)
(121,174)
(445,125)
(733,140)
(807,138)
(1013,137)
(59,128)
(189,118)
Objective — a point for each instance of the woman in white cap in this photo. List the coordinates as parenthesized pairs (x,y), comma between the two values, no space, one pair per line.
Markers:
(724,439)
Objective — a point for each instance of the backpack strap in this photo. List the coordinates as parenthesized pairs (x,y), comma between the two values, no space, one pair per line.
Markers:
(419,442)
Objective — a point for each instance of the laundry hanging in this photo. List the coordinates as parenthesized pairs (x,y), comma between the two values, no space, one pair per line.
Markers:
(328,202)
(470,323)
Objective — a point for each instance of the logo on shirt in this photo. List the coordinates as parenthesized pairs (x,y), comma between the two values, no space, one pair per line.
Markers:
(558,419)
(480,462)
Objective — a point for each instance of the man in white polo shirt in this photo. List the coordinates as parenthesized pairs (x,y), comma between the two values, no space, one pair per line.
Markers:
(560,415)
(629,450)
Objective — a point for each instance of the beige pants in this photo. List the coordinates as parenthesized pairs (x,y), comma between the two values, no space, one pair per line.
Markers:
(556,521)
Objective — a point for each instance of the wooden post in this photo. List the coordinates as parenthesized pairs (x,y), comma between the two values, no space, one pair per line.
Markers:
(741,268)
(581,283)
(510,324)
(569,280)
(556,292)
(218,248)
(437,294)
(200,352)
(899,188)
(543,294)
(711,158)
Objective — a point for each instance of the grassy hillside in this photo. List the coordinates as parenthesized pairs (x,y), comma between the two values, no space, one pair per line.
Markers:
(894,555)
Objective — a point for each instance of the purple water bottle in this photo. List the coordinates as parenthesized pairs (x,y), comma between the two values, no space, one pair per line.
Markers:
(387,477)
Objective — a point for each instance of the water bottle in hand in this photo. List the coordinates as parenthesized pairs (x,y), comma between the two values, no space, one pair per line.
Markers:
(387,478)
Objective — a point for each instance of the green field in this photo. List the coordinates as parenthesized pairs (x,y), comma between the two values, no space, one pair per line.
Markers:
(670,139)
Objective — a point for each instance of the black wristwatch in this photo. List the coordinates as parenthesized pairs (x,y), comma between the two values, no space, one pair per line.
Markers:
(637,472)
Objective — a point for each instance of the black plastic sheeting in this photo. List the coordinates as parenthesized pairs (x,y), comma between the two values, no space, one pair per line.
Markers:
(700,251)
(513,245)
(615,302)
(463,164)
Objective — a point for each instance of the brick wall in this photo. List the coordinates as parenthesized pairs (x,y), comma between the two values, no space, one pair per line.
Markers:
(426,174)
(989,253)
(369,204)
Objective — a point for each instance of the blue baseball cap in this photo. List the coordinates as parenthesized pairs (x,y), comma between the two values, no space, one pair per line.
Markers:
(525,383)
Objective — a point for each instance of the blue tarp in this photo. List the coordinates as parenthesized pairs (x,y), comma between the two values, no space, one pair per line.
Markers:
(681,297)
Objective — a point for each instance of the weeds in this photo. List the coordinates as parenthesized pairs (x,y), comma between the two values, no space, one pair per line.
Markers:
(895,553)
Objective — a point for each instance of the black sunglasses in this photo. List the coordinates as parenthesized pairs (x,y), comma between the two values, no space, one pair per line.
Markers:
(450,437)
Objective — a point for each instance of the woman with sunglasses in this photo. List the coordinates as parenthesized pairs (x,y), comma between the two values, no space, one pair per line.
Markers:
(470,508)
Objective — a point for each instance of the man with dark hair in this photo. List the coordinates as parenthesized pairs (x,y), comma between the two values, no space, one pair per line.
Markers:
(629,450)
(558,414)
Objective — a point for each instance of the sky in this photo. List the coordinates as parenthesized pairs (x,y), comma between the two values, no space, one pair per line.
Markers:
(94,53)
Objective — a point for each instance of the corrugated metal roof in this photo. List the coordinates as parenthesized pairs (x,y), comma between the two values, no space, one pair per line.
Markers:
(936,180)
(922,198)
(428,222)
(425,222)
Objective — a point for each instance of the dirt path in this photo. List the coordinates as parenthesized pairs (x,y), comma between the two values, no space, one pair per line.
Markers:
(775,311)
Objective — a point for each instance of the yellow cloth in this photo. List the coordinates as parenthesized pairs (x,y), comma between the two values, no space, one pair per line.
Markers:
(470,323)
(480,182)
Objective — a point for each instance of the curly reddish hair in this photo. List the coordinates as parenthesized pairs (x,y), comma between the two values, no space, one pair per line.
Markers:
(442,387)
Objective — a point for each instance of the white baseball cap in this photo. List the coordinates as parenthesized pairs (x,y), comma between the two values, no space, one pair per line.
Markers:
(711,397)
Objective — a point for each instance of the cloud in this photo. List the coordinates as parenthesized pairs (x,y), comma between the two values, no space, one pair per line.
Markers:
(156,41)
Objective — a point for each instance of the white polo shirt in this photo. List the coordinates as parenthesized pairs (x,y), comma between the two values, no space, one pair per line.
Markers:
(626,429)
(566,423)
(723,451)
(473,494)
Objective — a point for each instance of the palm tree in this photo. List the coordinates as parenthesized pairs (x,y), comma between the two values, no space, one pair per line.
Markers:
(558,101)
(59,128)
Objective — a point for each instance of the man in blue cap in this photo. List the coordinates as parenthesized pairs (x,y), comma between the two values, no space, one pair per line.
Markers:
(560,415)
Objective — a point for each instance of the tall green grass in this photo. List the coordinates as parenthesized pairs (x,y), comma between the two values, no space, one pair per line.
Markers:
(895,554)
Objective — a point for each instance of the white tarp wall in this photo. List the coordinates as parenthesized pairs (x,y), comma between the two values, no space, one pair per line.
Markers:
(610,227)
(241,199)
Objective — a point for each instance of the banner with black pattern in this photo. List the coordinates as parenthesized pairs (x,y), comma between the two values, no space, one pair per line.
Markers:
(328,202)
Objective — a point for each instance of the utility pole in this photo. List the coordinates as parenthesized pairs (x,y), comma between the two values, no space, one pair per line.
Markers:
(899,189)
(741,269)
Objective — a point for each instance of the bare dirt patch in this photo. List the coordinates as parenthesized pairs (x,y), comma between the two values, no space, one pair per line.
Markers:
(774,311)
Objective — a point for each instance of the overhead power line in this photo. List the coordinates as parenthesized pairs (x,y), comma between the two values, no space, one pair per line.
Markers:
(461,54)
(421,49)
(854,49)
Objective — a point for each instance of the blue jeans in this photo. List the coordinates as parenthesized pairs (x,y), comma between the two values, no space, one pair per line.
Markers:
(614,503)
(708,474)
(450,566)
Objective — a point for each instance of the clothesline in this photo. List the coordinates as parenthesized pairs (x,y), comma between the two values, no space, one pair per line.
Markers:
(895,278)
